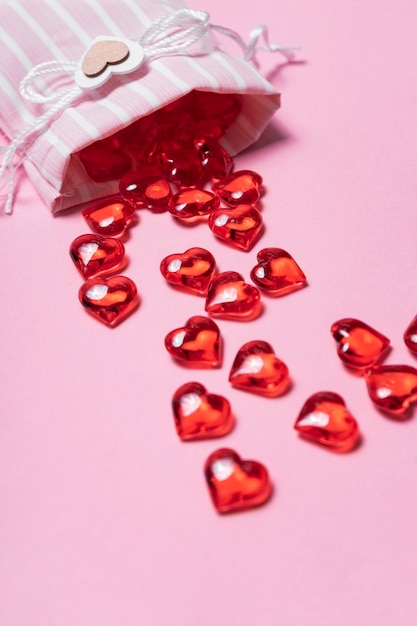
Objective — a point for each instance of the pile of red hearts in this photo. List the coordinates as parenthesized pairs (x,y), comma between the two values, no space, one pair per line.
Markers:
(165,164)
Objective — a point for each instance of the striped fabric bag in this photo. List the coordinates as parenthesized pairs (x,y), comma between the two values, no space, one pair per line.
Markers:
(49,114)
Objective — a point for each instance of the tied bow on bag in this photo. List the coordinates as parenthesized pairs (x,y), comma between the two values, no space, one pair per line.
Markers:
(184,33)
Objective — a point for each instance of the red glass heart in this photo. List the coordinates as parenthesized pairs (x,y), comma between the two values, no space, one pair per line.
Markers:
(199,414)
(242,187)
(392,388)
(324,419)
(216,161)
(277,272)
(110,300)
(103,161)
(229,297)
(410,336)
(197,344)
(191,205)
(359,346)
(213,112)
(182,166)
(207,114)
(236,484)
(109,217)
(240,227)
(258,370)
(146,188)
(94,255)
(142,138)
(192,271)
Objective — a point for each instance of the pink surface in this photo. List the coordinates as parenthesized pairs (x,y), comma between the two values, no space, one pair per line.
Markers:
(104,515)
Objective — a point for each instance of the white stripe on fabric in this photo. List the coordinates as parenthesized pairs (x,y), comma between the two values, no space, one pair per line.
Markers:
(176,80)
(221,59)
(28,118)
(16,49)
(258,76)
(16,101)
(83,123)
(105,18)
(62,148)
(45,190)
(196,65)
(36,28)
(113,107)
(21,55)
(70,22)
(33,158)
(56,182)
(137,11)
(146,93)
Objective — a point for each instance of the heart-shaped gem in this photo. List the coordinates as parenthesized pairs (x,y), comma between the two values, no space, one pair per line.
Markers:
(216,161)
(142,140)
(324,419)
(242,187)
(229,297)
(182,166)
(258,370)
(192,271)
(190,205)
(212,113)
(199,414)
(277,272)
(110,300)
(197,344)
(410,336)
(94,255)
(392,388)
(240,227)
(359,346)
(104,53)
(236,484)
(146,188)
(109,217)
(103,161)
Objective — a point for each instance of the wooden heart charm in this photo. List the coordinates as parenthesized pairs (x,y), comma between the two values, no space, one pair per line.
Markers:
(324,419)
(94,255)
(197,344)
(192,270)
(103,53)
(110,300)
(277,272)
(359,346)
(236,484)
(258,370)
(229,297)
(105,56)
(199,414)
(392,388)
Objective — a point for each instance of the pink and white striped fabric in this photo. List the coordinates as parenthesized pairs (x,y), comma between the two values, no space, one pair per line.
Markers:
(36,32)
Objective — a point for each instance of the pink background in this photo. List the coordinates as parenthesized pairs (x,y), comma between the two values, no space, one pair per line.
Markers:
(105,518)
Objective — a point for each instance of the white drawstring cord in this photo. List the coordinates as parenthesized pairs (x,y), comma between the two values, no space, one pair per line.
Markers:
(172,34)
